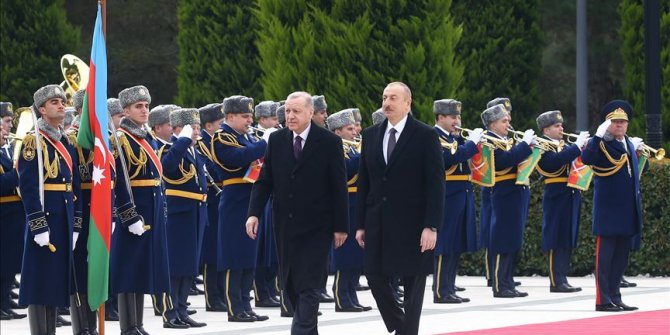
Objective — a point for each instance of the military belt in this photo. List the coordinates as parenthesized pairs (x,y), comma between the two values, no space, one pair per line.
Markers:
(186,194)
(352,189)
(233,181)
(556,180)
(89,186)
(457,177)
(506,177)
(145,182)
(67,187)
(9,198)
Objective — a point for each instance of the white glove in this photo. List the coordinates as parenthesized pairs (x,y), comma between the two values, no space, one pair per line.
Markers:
(637,142)
(187,131)
(476,135)
(528,136)
(266,134)
(42,239)
(75,236)
(582,138)
(602,128)
(137,228)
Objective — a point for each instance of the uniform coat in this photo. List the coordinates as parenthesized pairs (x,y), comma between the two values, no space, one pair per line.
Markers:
(13,217)
(350,255)
(211,236)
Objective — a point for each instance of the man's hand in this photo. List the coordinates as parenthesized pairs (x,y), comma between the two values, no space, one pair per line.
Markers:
(339,239)
(360,237)
(602,128)
(428,238)
(187,131)
(42,239)
(637,142)
(75,237)
(529,136)
(582,138)
(252,227)
(476,135)
(137,228)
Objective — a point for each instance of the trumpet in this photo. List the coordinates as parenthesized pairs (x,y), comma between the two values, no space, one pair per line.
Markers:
(498,142)
(347,144)
(569,136)
(646,150)
(543,144)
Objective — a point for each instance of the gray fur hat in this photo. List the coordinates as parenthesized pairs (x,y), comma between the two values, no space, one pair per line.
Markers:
(319,103)
(47,93)
(114,106)
(493,114)
(78,99)
(161,114)
(266,109)
(238,104)
(447,107)
(342,118)
(378,116)
(281,114)
(184,116)
(549,118)
(211,113)
(6,109)
(357,115)
(70,112)
(502,101)
(134,94)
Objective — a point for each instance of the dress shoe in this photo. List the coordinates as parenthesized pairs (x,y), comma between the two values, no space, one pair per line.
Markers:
(447,299)
(626,284)
(13,314)
(564,288)
(13,295)
(15,305)
(258,317)
(360,287)
(4,316)
(175,324)
(111,315)
(199,281)
(269,302)
(191,311)
(625,307)
(139,329)
(489,283)
(133,331)
(349,309)
(459,289)
(517,283)
(365,308)
(324,297)
(463,299)
(192,323)
(193,291)
(520,294)
(63,311)
(60,321)
(608,308)
(216,307)
(286,314)
(506,294)
(242,317)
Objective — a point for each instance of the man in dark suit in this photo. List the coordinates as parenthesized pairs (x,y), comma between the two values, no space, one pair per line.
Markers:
(400,207)
(305,174)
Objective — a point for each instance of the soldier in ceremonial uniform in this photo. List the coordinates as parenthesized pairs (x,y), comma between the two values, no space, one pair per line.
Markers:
(561,205)
(378,116)
(281,115)
(186,194)
(13,217)
(617,208)
(320,110)
(459,232)
(159,123)
(358,118)
(53,212)
(139,259)
(115,111)
(234,151)
(509,203)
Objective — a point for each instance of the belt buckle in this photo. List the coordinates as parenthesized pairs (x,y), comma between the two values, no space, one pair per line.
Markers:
(68,187)
(204,198)
(157,182)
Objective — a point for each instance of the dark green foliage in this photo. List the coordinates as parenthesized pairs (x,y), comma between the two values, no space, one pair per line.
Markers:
(34,35)
(217,54)
(349,50)
(501,49)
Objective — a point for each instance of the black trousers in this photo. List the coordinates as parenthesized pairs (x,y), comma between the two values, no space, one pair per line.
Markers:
(214,282)
(611,261)
(444,280)
(559,265)
(6,283)
(237,290)
(403,322)
(306,306)
(180,287)
(503,268)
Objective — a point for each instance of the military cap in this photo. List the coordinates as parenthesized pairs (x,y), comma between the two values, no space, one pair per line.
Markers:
(184,116)
(6,109)
(319,103)
(266,109)
(161,114)
(114,106)
(281,114)
(493,114)
(447,107)
(617,110)
(357,115)
(549,118)
(502,101)
(69,115)
(211,112)
(47,93)
(342,118)
(238,104)
(78,99)
(378,116)
(134,94)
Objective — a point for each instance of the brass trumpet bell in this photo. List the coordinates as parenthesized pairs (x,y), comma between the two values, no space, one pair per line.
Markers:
(75,73)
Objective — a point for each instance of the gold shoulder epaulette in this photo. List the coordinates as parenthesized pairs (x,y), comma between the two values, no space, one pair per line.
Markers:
(29,147)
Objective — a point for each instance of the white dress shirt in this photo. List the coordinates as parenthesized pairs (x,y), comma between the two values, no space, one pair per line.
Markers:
(398,128)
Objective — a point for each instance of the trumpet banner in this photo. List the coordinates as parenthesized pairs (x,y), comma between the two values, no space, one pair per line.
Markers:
(254,171)
(482,166)
(580,175)
(526,168)
(641,161)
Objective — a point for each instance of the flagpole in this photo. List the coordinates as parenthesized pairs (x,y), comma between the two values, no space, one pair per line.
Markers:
(101,309)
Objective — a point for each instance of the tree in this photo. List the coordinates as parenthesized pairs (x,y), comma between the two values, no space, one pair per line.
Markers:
(501,50)
(349,50)
(34,35)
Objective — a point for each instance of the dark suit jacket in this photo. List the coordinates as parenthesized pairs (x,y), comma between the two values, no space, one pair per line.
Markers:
(309,201)
(396,201)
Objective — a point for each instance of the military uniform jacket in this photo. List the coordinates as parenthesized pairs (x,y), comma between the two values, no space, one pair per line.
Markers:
(309,201)
(561,204)
(617,209)
(186,194)
(459,229)
(139,264)
(13,216)
(350,255)
(509,202)
(234,152)
(211,236)
(45,275)
(396,201)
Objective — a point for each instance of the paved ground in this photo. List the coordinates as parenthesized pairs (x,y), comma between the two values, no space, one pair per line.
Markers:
(483,312)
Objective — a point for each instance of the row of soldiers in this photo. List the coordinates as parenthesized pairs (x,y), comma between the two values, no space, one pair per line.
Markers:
(181,193)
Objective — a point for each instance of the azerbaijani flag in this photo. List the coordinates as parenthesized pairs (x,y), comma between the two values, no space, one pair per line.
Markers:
(93,135)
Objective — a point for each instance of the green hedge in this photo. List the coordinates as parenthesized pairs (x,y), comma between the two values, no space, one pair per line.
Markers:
(653,258)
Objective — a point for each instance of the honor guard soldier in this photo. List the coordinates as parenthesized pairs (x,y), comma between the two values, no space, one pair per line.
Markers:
(234,151)
(281,115)
(358,118)
(13,217)
(159,123)
(320,111)
(115,111)
(378,116)
(51,196)
(186,194)
(509,203)
(348,260)
(139,259)
(459,232)
(267,263)
(561,205)
(617,209)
